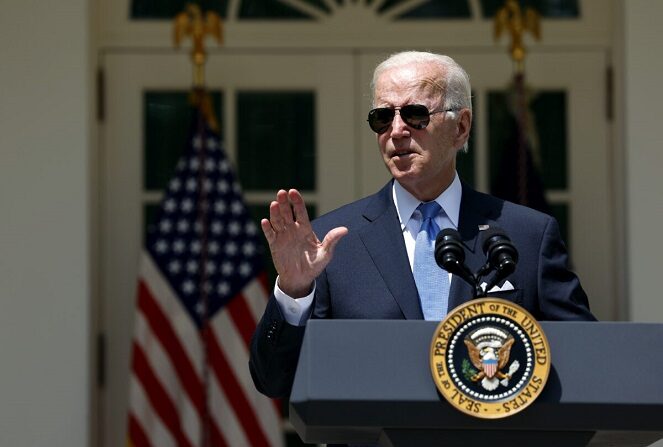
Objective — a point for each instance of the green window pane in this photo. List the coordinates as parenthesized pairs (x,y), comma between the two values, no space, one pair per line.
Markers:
(432,9)
(268,9)
(276,140)
(167,9)
(547,8)
(248,9)
(560,211)
(548,110)
(149,218)
(167,121)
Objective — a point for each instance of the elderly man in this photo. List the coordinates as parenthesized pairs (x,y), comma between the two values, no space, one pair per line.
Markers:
(375,260)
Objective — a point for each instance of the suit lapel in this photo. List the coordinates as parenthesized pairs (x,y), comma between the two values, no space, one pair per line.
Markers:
(383,239)
(474,211)
(391,258)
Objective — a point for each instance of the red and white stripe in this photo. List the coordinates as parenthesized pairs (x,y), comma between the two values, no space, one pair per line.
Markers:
(168,400)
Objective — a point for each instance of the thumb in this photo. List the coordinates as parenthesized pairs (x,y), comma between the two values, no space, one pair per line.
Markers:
(332,238)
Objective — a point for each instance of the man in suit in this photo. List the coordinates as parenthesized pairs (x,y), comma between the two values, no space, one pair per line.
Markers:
(370,261)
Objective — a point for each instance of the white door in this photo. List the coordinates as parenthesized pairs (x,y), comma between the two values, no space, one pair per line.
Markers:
(582,188)
(326,84)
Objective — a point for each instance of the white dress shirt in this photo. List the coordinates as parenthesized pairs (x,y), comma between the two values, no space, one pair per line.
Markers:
(297,311)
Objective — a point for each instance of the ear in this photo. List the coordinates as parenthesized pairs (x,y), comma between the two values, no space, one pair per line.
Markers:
(463,126)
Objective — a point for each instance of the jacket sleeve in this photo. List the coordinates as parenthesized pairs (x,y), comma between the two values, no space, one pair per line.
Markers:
(274,353)
(561,296)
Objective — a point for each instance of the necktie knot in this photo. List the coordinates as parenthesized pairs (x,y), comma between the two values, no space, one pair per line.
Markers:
(429,210)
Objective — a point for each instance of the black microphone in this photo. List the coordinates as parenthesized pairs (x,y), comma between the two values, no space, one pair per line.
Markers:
(450,255)
(501,254)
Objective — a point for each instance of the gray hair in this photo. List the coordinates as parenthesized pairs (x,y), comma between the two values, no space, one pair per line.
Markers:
(456,90)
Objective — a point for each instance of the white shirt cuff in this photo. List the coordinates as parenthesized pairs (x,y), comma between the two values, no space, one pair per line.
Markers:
(296,311)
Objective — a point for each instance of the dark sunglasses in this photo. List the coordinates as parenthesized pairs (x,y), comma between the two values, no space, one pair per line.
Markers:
(416,116)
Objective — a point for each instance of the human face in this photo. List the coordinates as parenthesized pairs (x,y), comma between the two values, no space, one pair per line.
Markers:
(423,161)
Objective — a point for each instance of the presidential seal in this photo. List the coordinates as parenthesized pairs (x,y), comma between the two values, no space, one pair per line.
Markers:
(489,358)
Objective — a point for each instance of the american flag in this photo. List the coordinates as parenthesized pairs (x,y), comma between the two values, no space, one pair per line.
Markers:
(201,290)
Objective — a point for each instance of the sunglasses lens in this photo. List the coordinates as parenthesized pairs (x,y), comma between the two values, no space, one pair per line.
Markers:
(415,115)
(380,119)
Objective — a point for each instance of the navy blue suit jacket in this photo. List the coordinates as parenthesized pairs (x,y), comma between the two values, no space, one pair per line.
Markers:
(369,276)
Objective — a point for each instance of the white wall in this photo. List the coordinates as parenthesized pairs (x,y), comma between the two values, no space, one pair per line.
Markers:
(643,77)
(44,235)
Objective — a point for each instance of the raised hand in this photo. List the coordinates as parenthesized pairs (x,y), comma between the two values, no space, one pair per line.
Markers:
(297,253)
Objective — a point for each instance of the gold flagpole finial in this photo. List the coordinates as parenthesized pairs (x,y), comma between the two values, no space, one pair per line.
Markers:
(511,17)
(191,22)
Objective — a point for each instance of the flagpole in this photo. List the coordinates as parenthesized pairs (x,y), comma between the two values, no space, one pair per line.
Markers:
(191,23)
(511,18)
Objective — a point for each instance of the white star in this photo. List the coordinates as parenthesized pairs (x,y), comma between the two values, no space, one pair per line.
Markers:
(213,247)
(244,269)
(170,205)
(180,165)
(175,185)
(197,142)
(187,205)
(227,268)
(174,267)
(200,308)
(223,288)
(220,206)
(191,185)
(234,228)
(231,248)
(249,249)
(188,287)
(212,144)
(182,225)
(217,227)
(195,247)
(222,186)
(161,246)
(210,166)
(194,164)
(210,267)
(223,166)
(192,266)
(165,226)
(237,207)
(250,228)
(179,246)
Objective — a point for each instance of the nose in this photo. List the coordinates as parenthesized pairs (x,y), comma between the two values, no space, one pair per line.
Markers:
(398,127)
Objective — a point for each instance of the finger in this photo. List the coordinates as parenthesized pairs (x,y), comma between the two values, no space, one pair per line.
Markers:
(332,238)
(267,230)
(298,207)
(275,218)
(284,207)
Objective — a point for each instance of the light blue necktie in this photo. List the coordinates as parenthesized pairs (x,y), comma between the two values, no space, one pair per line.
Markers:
(432,281)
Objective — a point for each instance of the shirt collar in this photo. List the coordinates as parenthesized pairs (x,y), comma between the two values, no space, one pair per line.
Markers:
(449,200)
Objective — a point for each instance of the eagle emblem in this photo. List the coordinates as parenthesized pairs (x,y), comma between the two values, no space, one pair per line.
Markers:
(489,349)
